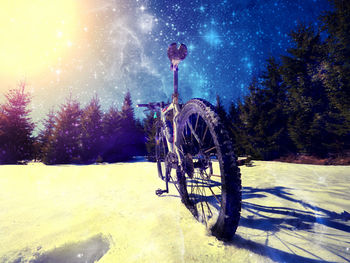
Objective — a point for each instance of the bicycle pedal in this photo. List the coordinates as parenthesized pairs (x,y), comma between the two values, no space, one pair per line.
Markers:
(159,192)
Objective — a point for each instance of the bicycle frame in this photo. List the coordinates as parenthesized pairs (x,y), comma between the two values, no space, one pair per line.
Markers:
(175,107)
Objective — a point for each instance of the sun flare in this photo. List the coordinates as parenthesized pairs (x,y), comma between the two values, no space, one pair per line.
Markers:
(35,34)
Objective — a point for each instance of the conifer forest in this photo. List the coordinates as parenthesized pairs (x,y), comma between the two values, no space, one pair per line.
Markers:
(299,104)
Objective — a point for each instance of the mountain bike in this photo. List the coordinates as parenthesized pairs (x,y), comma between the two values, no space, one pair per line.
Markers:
(194,152)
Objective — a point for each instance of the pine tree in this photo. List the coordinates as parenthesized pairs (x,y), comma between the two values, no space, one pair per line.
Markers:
(45,138)
(275,128)
(259,125)
(91,137)
(111,126)
(253,117)
(335,73)
(150,130)
(130,137)
(128,111)
(232,124)
(141,139)
(307,103)
(16,127)
(3,139)
(221,110)
(236,129)
(66,144)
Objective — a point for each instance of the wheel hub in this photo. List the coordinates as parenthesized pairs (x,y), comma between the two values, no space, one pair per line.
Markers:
(171,160)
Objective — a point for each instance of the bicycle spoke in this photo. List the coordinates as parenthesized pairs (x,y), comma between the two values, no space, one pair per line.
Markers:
(200,184)
(205,133)
(194,133)
(192,188)
(211,190)
(197,193)
(203,210)
(211,213)
(209,210)
(183,136)
(175,183)
(188,128)
(195,127)
(217,199)
(210,149)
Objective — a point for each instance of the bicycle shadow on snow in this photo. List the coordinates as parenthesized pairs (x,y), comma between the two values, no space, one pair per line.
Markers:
(297,223)
(273,220)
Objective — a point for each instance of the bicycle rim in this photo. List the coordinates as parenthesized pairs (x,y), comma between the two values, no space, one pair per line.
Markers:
(161,154)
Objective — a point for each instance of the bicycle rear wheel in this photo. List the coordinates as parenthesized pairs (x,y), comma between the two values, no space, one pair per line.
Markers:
(161,154)
(210,184)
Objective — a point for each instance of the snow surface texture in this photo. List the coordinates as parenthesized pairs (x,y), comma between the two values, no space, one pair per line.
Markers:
(109,213)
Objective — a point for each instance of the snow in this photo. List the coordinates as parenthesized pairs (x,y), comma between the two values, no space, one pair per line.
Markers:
(109,212)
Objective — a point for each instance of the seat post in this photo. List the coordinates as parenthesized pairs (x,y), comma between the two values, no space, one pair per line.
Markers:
(176,55)
(176,80)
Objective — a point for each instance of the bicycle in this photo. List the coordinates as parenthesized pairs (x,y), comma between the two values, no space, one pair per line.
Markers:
(192,140)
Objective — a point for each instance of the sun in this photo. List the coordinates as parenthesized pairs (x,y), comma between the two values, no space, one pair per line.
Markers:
(35,34)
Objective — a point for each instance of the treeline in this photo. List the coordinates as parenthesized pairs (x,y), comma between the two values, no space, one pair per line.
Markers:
(301,102)
(71,135)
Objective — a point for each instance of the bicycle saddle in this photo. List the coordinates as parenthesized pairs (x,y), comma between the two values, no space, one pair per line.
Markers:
(176,55)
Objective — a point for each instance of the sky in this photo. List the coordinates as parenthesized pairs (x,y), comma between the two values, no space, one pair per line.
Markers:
(83,48)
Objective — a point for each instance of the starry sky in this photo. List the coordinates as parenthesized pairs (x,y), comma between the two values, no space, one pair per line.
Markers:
(120,45)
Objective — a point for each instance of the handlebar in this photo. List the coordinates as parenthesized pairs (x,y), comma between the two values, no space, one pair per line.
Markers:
(152,105)
(141,105)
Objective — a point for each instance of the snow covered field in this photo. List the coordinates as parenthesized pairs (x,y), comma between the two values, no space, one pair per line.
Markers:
(109,213)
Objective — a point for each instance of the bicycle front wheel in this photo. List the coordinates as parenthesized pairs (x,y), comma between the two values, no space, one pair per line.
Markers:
(210,183)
